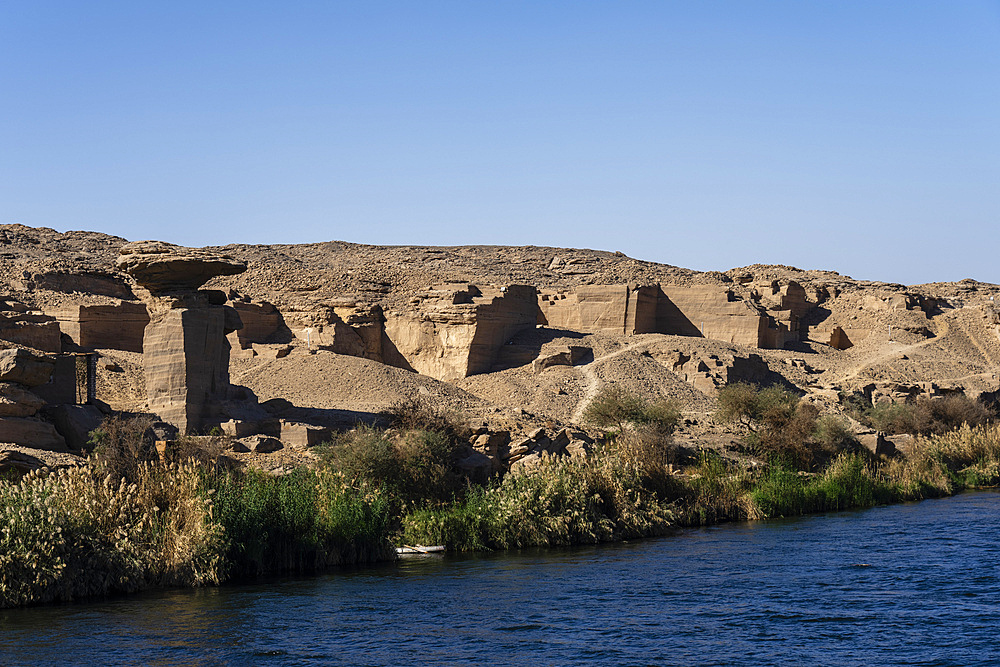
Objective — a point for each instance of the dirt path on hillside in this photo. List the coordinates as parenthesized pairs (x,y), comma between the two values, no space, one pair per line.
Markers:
(894,352)
(592,382)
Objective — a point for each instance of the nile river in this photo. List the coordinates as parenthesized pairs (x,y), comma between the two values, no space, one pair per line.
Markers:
(913,584)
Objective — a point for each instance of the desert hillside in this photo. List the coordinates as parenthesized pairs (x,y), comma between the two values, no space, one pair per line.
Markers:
(512,338)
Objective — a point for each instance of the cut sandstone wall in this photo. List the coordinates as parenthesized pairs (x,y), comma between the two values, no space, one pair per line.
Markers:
(449,340)
(709,311)
(115,327)
(186,355)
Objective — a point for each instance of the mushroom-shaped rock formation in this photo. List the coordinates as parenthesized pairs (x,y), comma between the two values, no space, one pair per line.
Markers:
(185,351)
(164,267)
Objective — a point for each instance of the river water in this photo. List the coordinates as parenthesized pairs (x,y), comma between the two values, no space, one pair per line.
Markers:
(913,584)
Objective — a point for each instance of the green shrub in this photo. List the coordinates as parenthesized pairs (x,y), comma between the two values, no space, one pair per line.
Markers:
(614,407)
(563,501)
(413,466)
(850,481)
(896,418)
(306,520)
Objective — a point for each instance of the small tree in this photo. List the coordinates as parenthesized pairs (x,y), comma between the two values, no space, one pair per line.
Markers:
(614,407)
(753,406)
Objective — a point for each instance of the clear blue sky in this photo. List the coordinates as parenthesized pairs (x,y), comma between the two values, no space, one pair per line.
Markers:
(862,137)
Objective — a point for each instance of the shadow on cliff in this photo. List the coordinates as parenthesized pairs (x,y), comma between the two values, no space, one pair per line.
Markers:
(336,419)
(525,347)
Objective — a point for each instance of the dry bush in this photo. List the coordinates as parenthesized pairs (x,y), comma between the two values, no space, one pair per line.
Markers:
(121,444)
(423,415)
(414,466)
(950,412)
(927,416)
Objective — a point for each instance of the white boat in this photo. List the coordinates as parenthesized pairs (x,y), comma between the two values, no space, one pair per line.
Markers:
(408,550)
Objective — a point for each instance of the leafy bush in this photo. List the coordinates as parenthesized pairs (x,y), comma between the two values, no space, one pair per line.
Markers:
(614,407)
(781,426)
(927,416)
(413,466)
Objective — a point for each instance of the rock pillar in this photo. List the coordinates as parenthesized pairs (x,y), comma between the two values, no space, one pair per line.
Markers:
(185,350)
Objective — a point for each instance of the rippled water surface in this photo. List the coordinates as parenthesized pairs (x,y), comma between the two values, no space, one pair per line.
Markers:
(912,584)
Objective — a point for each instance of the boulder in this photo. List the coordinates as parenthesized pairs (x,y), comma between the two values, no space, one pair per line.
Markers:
(526,463)
(884,447)
(75,422)
(24,367)
(14,464)
(260,444)
(476,465)
(302,436)
(164,267)
(18,402)
(31,433)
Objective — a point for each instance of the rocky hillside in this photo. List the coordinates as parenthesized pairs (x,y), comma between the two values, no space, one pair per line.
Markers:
(512,337)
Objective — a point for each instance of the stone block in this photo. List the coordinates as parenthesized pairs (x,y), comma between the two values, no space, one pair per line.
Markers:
(238,429)
(24,367)
(302,436)
(186,355)
(31,433)
(15,401)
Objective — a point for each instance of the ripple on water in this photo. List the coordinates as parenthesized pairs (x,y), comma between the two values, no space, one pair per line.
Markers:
(906,584)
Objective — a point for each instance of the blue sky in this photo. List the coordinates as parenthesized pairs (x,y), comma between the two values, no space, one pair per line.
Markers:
(862,137)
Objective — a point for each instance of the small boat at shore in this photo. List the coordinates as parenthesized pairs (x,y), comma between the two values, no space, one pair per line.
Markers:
(408,550)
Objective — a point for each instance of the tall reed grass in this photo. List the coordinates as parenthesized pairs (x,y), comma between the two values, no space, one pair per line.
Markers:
(82,532)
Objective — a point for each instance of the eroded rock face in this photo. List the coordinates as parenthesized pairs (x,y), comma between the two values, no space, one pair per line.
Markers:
(23,367)
(709,311)
(15,401)
(165,268)
(185,350)
(118,327)
(452,333)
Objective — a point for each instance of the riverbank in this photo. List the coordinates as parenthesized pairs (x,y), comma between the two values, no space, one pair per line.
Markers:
(118,525)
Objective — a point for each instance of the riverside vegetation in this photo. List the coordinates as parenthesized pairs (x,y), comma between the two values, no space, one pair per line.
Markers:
(128,521)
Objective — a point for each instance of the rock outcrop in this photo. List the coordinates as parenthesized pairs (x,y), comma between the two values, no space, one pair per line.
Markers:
(185,350)
(450,333)
(708,311)
(164,268)
(24,367)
